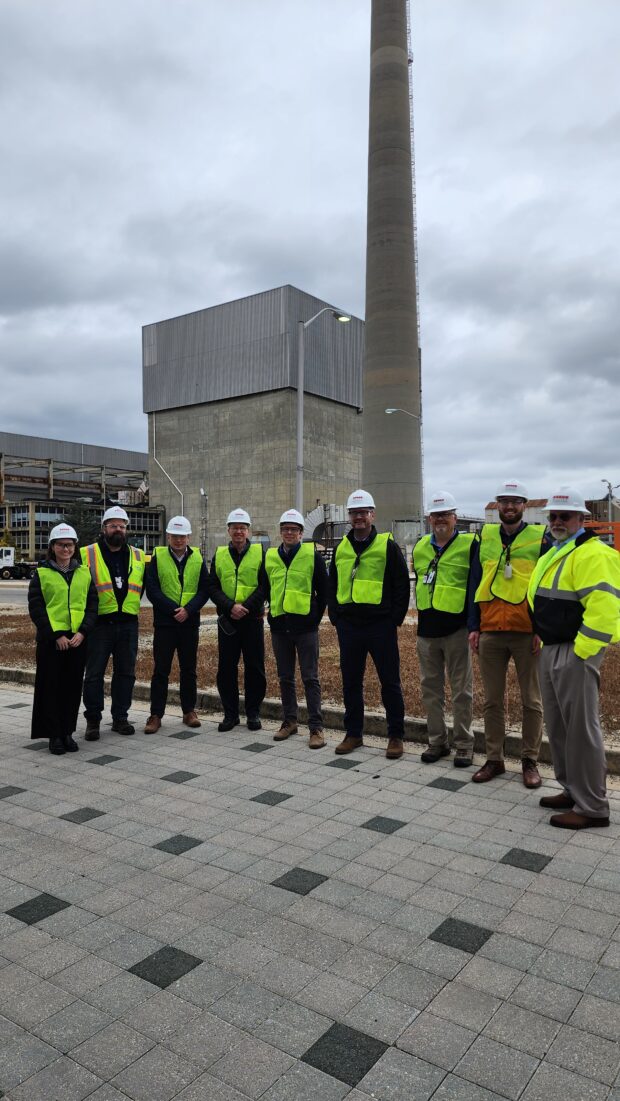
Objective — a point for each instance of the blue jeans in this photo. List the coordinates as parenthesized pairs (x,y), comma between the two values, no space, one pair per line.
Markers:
(380,640)
(120,642)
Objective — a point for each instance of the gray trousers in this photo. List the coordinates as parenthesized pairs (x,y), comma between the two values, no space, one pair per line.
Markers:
(570,691)
(440,656)
(306,647)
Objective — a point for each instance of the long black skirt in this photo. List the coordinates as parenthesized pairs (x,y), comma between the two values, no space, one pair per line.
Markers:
(57,690)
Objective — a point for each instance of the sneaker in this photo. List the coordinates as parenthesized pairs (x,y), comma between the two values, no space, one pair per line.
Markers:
(254,724)
(190,718)
(92,731)
(434,753)
(71,745)
(348,744)
(316,739)
(227,724)
(152,725)
(285,731)
(122,726)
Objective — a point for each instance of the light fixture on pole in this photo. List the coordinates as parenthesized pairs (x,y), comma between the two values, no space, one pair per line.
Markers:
(405,411)
(338,315)
(610,498)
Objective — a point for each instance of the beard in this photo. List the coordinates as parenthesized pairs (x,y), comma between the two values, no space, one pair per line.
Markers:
(116,539)
(514,517)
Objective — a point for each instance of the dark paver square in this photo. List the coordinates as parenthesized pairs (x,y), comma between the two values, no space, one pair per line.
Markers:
(523,858)
(299,880)
(256,747)
(339,763)
(183,735)
(272,798)
(165,966)
(83,814)
(179,777)
(40,743)
(344,1053)
(447,783)
(6,792)
(461,934)
(14,706)
(179,843)
(105,759)
(37,908)
(383,825)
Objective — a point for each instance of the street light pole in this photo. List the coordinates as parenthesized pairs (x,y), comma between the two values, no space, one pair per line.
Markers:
(610,498)
(338,315)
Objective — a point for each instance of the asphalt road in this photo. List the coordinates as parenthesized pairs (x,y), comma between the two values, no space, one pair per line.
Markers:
(14,593)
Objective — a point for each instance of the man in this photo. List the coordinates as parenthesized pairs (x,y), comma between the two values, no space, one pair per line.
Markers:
(441,564)
(574,594)
(118,573)
(368,598)
(297,595)
(500,628)
(237,588)
(177,585)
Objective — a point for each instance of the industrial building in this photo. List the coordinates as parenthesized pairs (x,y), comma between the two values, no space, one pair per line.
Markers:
(220,392)
(41,478)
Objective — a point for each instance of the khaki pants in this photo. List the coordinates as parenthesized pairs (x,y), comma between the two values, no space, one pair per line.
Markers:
(495,651)
(440,656)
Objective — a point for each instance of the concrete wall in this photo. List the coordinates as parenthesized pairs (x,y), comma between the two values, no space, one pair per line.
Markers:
(242,452)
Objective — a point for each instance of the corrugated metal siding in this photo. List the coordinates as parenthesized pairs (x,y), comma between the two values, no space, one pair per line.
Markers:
(65,451)
(249,346)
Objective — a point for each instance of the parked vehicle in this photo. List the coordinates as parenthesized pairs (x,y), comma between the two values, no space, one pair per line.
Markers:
(10,569)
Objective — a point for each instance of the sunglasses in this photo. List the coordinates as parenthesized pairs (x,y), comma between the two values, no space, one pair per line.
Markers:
(561,516)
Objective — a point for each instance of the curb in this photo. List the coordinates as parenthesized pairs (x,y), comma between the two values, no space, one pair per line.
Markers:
(333,718)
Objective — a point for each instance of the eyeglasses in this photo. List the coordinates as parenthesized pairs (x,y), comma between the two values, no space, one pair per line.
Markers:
(510,500)
(362,512)
(289,531)
(64,546)
(561,516)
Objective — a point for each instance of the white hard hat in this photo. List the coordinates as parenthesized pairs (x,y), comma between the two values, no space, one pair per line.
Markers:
(239,516)
(179,525)
(567,500)
(442,502)
(292,516)
(62,531)
(360,499)
(115,513)
(512,488)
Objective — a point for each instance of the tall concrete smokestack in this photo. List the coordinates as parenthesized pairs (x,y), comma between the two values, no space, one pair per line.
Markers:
(392,454)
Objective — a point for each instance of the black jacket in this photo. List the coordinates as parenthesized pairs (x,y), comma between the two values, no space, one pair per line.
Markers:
(396,588)
(255,602)
(163,607)
(290,624)
(38,612)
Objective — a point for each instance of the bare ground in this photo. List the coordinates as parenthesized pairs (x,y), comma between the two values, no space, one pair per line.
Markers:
(17,651)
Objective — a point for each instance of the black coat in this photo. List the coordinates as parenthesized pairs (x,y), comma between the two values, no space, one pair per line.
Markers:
(38,612)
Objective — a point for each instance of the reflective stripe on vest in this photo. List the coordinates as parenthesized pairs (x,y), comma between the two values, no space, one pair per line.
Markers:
(446,590)
(169,577)
(520,556)
(108,604)
(239,582)
(65,604)
(291,587)
(360,576)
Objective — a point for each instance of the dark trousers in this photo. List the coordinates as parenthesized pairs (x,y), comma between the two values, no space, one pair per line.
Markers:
(57,690)
(167,641)
(306,647)
(249,641)
(380,640)
(120,642)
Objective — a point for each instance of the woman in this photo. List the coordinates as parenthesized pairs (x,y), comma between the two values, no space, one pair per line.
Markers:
(62,603)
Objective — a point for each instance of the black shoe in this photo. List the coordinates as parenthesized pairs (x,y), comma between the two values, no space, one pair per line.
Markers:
(92,731)
(121,726)
(254,724)
(57,746)
(227,724)
(71,745)
(431,755)
(462,761)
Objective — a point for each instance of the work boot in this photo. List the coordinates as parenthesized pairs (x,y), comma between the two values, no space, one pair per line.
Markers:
(285,731)
(434,753)
(348,744)
(57,746)
(71,745)
(489,771)
(152,725)
(190,718)
(531,775)
(562,801)
(122,726)
(316,739)
(92,731)
(227,724)
(394,749)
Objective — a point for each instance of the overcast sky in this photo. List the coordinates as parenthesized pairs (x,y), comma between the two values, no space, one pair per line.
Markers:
(160,156)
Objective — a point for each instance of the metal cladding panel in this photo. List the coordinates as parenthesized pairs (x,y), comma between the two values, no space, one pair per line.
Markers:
(247,347)
(66,451)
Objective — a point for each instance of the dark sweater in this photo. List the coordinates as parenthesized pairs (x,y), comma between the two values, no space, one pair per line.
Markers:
(396,588)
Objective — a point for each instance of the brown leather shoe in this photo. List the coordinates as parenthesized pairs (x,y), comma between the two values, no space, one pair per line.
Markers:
(190,718)
(531,775)
(153,724)
(316,739)
(285,731)
(348,744)
(562,801)
(489,771)
(394,749)
(574,821)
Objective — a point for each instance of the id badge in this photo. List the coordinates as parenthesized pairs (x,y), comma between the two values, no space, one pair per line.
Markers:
(429,577)
(508,571)
(119,582)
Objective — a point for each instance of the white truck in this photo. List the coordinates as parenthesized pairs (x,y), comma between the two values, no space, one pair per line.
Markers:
(10,570)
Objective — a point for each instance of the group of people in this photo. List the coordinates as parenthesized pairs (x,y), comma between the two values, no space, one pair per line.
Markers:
(547,597)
